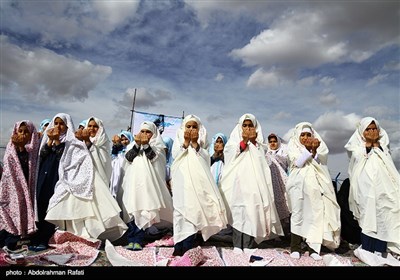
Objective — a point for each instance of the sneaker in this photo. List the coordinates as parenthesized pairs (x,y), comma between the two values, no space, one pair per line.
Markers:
(137,247)
(130,246)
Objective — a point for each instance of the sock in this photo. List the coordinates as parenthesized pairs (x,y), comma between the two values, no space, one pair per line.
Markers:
(316,257)
(295,255)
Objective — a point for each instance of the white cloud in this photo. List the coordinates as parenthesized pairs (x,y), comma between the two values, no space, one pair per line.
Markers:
(307,81)
(377,79)
(327,81)
(219,77)
(329,99)
(282,116)
(41,73)
(263,79)
(378,111)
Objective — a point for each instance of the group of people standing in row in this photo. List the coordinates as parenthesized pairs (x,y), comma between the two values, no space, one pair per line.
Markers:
(253,187)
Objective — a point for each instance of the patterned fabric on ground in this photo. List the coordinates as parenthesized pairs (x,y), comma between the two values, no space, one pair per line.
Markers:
(167,241)
(61,237)
(147,256)
(82,254)
(210,257)
(271,256)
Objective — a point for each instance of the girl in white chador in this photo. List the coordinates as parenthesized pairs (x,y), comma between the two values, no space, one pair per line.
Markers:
(278,161)
(247,187)
(374,195)
(145,196)
(198,205)
(96,215)
(312,201)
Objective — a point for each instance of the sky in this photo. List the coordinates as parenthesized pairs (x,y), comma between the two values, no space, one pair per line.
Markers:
(329,63)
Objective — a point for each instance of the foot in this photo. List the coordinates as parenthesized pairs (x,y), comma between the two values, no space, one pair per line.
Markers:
(38,248)
(137,247)
(316,257)
(295,255)
(177,252)
(132,246)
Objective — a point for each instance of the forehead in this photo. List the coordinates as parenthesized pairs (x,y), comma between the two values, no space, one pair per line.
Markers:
(146,130)
(59,120)
(192,123)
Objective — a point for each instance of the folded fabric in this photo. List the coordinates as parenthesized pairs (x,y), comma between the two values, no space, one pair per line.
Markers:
(192,257)
(60,259)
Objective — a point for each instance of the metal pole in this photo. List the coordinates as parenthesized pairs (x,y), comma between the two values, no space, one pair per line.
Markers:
(130,128)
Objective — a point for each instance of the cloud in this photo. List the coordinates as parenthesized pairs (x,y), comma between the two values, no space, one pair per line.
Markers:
(307,81)
(336,128)
(43,74)
(327,81)
(329,99)
(145,98)
(64,23)
(377,79)
(263,79)
(378,111)
(282,116)
(219,77)
(321,35)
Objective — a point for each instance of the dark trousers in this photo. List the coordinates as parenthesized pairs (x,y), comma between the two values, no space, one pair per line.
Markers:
(135,234)
(185,244)
(372,244)
(8,239)
(295,244)
(242,240)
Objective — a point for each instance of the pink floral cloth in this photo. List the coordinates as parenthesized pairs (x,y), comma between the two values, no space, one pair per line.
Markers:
(17,214)
(84,251)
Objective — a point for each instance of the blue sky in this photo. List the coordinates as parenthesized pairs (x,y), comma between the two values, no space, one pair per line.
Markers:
(326,62)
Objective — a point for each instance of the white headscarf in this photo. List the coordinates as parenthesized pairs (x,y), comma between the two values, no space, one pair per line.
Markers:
(295,148)
(76,168)
(231,147)
(179,139)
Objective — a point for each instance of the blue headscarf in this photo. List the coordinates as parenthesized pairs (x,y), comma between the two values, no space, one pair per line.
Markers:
(43,124)
(83,123)
(128,135)
(168,143)
(214,139)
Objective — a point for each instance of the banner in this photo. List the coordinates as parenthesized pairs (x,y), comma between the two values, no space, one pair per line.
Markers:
(167,125)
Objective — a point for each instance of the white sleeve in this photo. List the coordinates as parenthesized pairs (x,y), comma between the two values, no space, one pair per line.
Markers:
(301,160)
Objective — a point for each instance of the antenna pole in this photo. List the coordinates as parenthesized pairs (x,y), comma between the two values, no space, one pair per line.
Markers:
(130,128)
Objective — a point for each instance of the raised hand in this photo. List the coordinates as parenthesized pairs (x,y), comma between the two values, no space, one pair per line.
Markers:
(138,139)
(116,139)
(252,134)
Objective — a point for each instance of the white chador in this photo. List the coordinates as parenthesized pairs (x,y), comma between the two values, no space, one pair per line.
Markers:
(312,200)
(246,186)
(96,214)
(198,205)
(144,194)
(374,195)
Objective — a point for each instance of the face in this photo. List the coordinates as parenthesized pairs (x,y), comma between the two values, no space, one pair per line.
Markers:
(371,127)
(273,143)
(59,123)
(124,141)
(304,136)
(147,132)
(191,125)
(247,124)
(219,144)
(24,132)
(93,127)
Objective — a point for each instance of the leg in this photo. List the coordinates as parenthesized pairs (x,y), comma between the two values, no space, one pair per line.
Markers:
(237,238)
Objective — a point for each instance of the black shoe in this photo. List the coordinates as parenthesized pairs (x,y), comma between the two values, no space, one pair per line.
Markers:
(177,252)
